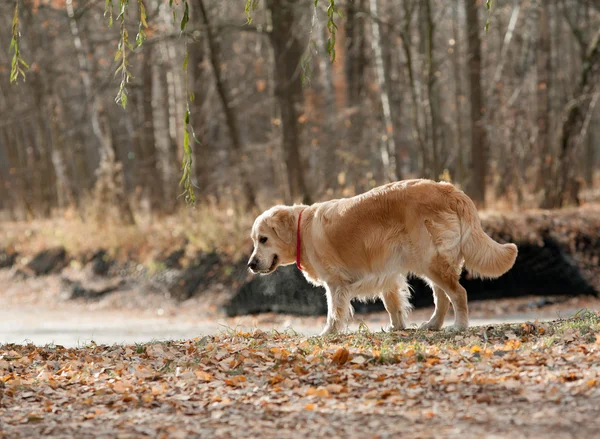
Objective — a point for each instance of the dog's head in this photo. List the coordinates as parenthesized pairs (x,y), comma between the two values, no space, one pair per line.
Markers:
(273,237)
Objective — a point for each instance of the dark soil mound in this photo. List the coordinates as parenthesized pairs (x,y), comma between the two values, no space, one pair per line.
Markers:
(7,258)
(48,261)
(545,269)
(206,270)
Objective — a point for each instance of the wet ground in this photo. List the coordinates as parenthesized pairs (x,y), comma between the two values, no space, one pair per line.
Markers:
(72,328)
(35,310)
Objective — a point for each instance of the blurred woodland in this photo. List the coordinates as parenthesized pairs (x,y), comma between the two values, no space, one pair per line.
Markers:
(418,88)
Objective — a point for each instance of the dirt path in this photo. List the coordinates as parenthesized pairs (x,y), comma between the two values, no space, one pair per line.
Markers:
(72,328)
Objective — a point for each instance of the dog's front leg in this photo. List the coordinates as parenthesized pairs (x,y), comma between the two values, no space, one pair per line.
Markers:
(338,309)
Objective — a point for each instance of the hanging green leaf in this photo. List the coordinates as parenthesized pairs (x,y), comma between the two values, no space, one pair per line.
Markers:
(123,50)
(143,16)
(108,10)
(141,35)
(251,6)
(186,164)
(332,28)
(185,61)
(488,6)
(187,161)
(186,16)
(18,64)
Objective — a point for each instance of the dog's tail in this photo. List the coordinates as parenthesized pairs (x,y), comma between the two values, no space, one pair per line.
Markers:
(483,256)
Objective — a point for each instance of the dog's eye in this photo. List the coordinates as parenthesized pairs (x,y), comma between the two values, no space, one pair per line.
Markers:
(262,239)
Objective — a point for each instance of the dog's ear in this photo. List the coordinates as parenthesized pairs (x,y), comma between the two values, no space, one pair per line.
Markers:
(282,222)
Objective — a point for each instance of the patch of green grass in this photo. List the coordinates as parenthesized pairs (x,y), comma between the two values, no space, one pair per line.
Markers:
(389,345)
(584,322)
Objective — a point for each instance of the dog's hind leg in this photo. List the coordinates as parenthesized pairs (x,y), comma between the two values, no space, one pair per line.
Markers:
(397,305)
(338,309)
(446,276)
(442,303)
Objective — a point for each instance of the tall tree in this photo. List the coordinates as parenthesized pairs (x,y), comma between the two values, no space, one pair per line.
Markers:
(151,177)
(407,44)
(578,115)
(455,49)
(230,116)
(355,60)
(388,144)
(478,130)
(288,50)
(543,70)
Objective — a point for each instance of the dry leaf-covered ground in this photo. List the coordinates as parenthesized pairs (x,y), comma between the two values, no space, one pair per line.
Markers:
(528,380)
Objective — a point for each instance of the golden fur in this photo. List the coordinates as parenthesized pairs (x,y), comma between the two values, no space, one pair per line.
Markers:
(365,246)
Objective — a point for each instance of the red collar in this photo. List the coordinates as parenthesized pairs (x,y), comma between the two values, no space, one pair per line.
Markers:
(299,243)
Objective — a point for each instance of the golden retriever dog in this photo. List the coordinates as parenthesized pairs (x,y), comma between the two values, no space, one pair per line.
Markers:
(365,246)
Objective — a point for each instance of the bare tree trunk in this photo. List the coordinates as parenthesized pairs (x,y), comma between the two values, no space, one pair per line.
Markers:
(458,96)
(110,167)
(109,189)
(23,154)
(41,153)
(574,127)
(405,34)
(543,68)
(151,178)
(478,131)
(355,67)
(171,159)
(230,116)
(64,184)
(15,171)
(330,165)
(356,42)
(199,85)
(393,72)
(590,154)
(288,51)
(388,145)
(432,92)
(84,72)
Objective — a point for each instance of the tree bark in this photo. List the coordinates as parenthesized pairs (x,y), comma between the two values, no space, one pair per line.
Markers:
(574,127)
(590,155)
(405,34)
(355,61)
(199,85)
(330,165)
(387,142)
(458,97)
(151,177)
(288,50)
(543,69)
(478,131)
(241,158)
(432,92)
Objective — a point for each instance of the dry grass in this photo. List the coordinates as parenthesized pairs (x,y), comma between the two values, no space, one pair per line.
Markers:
(201,228)
(221,227)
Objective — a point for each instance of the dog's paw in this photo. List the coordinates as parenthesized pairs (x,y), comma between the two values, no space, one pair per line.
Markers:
(431,325)
(328,331)
(393,328)
(458,327)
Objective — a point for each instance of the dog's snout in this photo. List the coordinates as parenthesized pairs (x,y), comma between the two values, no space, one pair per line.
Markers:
(252,264)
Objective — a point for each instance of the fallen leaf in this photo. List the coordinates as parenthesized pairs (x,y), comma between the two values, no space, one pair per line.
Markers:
(202,375)
(321,392)
(335,388)
(341,356)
